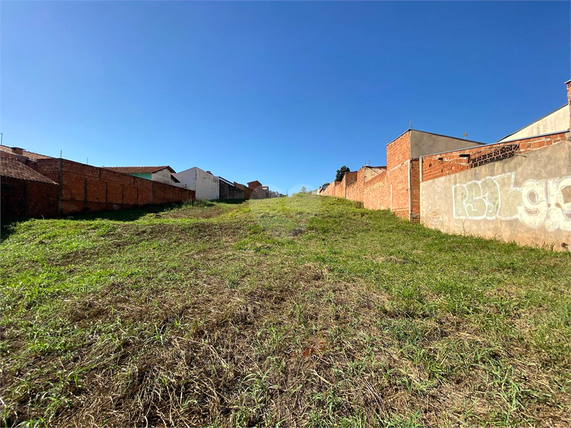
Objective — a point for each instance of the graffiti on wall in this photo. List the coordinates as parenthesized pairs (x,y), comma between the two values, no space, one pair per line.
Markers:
(537,202)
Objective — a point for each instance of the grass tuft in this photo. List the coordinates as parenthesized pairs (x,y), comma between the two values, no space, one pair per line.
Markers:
(301,311)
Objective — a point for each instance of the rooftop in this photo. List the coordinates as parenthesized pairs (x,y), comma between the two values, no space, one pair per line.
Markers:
(139,169)
(30,155)
(15,169)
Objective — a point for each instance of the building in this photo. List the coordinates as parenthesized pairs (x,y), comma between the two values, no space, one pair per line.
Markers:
(517,189)
(35,185)
(258,190)
(229,191)
(553,123)
(162,174)
(247,191)
(396,186)
(204,183)
(25,192)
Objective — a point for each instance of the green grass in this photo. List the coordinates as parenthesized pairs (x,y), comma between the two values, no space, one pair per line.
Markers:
(302,311)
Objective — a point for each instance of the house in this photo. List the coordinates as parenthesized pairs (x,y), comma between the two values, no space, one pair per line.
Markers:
(204,183)
(396,186)
(25,191)
(162,174)
(553,123)
(515,189)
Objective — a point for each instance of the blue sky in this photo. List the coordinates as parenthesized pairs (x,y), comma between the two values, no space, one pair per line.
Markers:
(281,92)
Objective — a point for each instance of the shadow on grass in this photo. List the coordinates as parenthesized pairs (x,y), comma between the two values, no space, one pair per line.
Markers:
(126,215)
(133,214)
(130,214)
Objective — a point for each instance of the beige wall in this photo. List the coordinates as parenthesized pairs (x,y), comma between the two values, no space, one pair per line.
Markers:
(558,121)
(526,199)
(425,143)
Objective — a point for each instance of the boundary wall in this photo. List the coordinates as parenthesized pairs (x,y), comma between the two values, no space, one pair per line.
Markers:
(454,185)
(89,188)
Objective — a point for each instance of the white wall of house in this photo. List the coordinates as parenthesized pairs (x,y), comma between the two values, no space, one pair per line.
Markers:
(202,182)
(163,176)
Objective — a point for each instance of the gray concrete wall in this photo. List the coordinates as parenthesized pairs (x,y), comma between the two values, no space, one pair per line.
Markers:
(558,121)
(526,199)
(425,143)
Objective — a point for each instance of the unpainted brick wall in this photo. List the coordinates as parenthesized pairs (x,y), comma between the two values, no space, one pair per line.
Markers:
(376,193)
(88,188)
(398,158)
(398,151)
(414,190)
(354,190)
(335,189)
(398,182)
(442,164)
(347,185)
(24,198)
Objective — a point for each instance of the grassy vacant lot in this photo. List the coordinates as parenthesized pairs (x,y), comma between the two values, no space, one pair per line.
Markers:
(304,311)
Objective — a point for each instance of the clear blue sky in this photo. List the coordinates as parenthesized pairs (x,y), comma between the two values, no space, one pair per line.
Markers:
(281,92)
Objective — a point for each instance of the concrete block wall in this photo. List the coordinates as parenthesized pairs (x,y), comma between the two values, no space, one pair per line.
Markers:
(88,188)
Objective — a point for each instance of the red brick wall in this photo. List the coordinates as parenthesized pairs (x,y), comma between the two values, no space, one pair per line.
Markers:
(335,189)
(376,193)
(398,151)
(23,198)
(88,188)
(350,190)
(398,182)
(415,190)
(439,165)
(398,155)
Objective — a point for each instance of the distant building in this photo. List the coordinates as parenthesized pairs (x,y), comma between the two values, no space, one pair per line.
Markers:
(35,185)
(162,174)
(25,192)
(247,191)
(553,123)
(258,191)
(204,183)
(229,191)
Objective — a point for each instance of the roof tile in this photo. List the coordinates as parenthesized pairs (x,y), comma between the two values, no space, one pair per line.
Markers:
(11,167)
(139,169)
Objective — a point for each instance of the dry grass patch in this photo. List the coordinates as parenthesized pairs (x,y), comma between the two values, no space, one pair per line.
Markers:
(299,312)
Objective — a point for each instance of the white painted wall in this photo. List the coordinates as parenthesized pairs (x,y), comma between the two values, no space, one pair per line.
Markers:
(558,121)
(203,183)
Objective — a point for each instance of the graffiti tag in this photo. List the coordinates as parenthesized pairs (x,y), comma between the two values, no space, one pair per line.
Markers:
(537,202)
